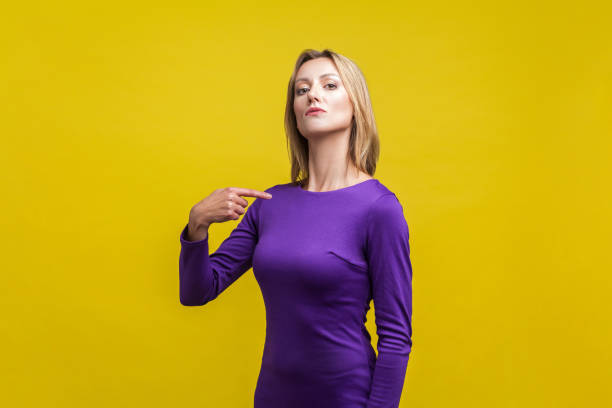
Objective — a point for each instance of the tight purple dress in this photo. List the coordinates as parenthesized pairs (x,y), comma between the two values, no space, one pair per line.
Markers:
(319,258)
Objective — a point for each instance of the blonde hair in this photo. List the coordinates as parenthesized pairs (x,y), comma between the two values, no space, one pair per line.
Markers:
(364,145)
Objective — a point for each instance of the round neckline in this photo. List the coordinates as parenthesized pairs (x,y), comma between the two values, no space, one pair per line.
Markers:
(338,190)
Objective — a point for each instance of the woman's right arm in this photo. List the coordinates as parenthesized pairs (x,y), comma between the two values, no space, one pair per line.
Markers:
(202,277)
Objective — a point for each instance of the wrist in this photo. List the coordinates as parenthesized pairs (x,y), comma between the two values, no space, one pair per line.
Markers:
(197,232)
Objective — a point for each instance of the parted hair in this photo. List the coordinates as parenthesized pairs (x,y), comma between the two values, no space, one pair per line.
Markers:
(363,145)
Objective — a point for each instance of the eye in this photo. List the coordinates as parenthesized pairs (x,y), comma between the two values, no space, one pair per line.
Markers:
(299,91)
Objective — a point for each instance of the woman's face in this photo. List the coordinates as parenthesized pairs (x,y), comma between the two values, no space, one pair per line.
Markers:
(318,85)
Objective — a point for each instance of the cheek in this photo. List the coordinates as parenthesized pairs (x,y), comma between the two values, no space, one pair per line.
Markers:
(297,107)
(342,104)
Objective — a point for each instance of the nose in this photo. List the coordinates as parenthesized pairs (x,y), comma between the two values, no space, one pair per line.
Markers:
(313,95)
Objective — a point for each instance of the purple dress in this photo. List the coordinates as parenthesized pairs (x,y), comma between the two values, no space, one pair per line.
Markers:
(319,258)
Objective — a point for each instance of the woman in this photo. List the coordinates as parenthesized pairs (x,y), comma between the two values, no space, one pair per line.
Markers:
(321,248)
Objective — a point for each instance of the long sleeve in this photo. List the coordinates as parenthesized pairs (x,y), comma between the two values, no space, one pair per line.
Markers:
(202,277)
(388,255)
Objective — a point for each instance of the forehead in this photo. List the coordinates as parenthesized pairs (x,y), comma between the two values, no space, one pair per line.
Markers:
(314,68)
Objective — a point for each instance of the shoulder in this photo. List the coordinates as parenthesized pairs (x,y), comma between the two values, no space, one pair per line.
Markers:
(275,190)
(383,202)
(386,206)
(385,211)
(278,187)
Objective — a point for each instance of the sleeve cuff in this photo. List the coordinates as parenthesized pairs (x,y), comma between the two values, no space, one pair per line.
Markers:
(184,242)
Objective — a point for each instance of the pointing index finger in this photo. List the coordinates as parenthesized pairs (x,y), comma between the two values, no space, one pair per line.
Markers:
(249,192)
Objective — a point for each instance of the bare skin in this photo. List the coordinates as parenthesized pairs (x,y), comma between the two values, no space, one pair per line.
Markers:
(327,133)
(221,205)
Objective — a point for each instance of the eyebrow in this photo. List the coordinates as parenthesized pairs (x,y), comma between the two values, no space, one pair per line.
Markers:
(324,75)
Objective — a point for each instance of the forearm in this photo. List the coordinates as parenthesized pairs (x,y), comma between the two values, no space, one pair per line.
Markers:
(196,279)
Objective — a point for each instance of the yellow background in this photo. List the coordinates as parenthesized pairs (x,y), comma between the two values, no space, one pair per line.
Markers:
(495,125)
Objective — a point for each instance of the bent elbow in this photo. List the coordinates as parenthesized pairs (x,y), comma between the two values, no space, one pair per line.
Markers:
(190,303)
(192,300)
(195,294)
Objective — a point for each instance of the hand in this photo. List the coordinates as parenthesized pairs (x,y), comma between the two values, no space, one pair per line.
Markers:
(221,205)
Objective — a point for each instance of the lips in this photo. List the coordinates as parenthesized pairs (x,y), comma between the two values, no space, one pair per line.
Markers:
(314,111)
